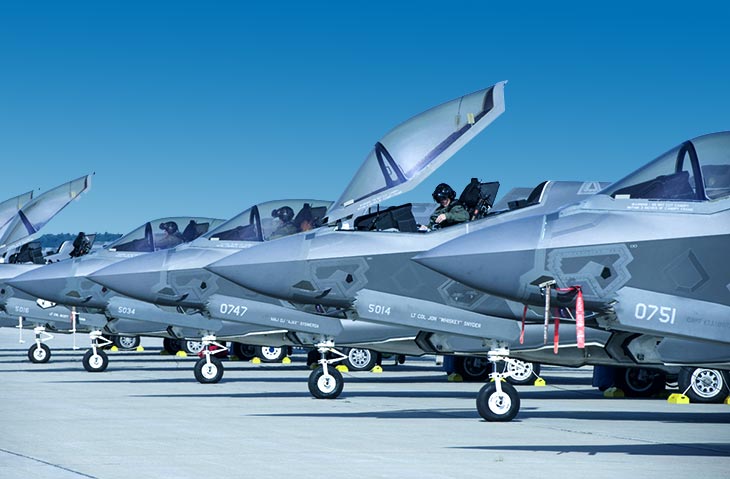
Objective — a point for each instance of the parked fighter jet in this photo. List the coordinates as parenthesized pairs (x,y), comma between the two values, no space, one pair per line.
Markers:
(58,296)
(648,254)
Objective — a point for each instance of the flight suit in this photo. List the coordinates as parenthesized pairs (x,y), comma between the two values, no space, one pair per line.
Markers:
(455,213)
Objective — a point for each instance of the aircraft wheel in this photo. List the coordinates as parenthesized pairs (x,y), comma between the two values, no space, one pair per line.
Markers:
(498,407)
(326,387)
(126,343)
(95,363)
(39,354)
(191,347)
(472,368)
(245,352)
(705,385)
(171,346)
(270,354)
(208,373)
(640,382)
(522,373)
(360,359)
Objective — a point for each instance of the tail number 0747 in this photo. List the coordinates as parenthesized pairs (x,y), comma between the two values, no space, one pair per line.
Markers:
(664,314)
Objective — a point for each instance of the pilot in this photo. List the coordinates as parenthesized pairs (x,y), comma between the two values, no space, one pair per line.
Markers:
(81,245)
(172,236)
(449,211)
(287,227)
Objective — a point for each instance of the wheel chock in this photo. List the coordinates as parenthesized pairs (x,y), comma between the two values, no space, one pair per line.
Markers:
(286,360)
(677,398)
(454,378)
(377,369)
(233,357)
(139,349)
(342,368)
(727,400)
(164,353)
(313,366)
(256,361)
(114,349)
(539,382)
(181,354)
(613,393)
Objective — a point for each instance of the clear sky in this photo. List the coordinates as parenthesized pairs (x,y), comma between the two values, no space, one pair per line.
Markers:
(204,108)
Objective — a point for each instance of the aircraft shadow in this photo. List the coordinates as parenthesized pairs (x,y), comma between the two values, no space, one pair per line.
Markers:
(669,449)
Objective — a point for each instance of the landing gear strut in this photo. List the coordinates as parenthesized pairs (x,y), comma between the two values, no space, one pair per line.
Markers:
(498,401)
(209,369)
(326,382)
(95,360)
(39,352)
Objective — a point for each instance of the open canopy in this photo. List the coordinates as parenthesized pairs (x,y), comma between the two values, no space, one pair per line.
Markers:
(410,152)
(9,208)
(696,170)
(34,215)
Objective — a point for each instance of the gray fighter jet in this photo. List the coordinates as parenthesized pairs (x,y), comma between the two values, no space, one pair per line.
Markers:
(59,297)
(648,255)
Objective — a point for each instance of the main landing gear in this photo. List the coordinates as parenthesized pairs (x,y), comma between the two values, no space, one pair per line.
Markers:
(209,369)
(95,360)
(326,382)
(40,353)
(498,400)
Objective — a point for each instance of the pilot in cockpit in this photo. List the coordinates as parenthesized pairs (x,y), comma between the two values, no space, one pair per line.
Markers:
(285,214)
(172,236)
(449,211)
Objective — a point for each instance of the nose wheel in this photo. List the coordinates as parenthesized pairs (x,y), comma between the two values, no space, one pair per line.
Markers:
(326,382)
(95,360)
(39,353)
(209,369)
(498,400)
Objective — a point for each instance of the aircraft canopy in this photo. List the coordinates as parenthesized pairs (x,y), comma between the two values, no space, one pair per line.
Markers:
(271,220)
(696,170)
(164,233)
(410,152)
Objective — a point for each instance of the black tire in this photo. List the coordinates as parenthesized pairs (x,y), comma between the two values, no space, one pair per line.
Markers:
(95,363)
(171,346)
(523,373)
(190,346)
(704,385)
(39,354)
(360,359)
(495,408)
(640,382)
(472,368)
(313,357)
(322,388)
(126,343)
(244,352)
(270,354)
(208,373)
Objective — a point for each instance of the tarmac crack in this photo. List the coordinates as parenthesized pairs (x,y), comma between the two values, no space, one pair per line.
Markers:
(41,461)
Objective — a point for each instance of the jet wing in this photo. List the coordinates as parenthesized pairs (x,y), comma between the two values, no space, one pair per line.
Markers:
(25,225)
(410,152)
(9,208)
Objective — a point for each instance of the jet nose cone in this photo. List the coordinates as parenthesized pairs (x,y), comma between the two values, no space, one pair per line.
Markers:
(495,259)
(269,268)
(48,282)
(139,277)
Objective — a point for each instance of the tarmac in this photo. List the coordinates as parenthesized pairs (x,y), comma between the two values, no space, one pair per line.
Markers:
(147,417)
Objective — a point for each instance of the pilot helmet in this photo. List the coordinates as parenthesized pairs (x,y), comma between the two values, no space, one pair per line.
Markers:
(285,214)
(442,192)
(170,227)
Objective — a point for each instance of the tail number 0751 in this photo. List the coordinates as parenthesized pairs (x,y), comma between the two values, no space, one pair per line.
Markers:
(664,314)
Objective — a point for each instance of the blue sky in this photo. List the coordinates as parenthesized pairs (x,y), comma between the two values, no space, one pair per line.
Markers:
(204,108)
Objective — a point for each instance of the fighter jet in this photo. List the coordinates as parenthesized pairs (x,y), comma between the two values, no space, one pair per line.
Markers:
(58,296)
(648,254)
